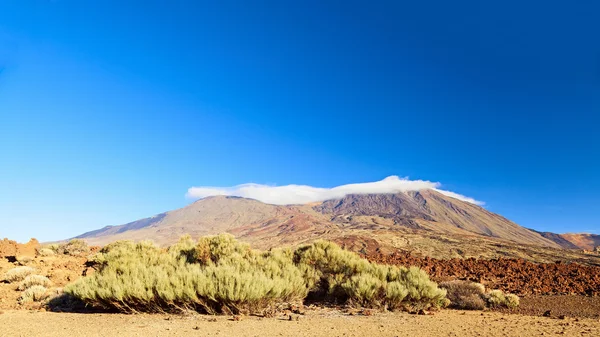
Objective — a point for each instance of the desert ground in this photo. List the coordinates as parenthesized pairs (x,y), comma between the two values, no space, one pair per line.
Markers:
(549,306)
(313,323)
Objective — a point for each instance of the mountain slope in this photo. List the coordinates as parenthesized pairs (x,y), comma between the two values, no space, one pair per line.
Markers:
(432,210)
(425,222)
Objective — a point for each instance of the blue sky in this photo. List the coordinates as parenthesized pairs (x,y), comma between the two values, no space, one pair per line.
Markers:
(111,110)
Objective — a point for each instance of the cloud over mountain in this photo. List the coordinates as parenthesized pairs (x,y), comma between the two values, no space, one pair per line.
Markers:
(302,194)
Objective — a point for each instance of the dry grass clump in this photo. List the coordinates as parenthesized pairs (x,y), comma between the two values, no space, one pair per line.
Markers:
(34,280)
(24,260)
(18,274)
(473,296)
(34,294)
(465,295)
(218,274)
(46,252)
(75,247)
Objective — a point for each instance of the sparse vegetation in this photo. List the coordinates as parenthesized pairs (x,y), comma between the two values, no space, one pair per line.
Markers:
(34,280)
(18,274)
(46,252)
(34,294)
(221,275)
(75,247)
(472,296)
(24,260)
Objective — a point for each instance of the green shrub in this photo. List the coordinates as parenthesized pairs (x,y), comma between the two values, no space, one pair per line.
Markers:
(497,299)
(344,276)
(34,280)
(221,275)
(34,294)
(18,274)
(465,295)
(512,301)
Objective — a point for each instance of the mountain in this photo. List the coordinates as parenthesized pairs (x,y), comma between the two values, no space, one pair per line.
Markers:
(426,222)
(574,240)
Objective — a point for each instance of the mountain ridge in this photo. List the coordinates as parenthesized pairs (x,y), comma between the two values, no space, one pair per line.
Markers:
(425,222)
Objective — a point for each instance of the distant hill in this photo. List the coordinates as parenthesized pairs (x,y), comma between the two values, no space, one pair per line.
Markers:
(426,222)
(574,240)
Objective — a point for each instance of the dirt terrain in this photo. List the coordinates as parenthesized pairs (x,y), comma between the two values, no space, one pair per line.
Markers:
(60,269)
(559,306)
(566,314)
(314,323)
(516,276)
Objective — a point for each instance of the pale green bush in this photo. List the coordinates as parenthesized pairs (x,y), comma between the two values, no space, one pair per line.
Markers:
(34,294)
(497,299)
(18,274)
(344,276)
(512,301)
(221,275)
(34,280)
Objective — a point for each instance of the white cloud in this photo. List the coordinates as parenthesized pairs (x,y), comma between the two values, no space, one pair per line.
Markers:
(302,194)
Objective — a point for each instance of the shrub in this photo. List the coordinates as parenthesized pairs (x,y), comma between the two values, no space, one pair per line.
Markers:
(18,274)
(53,247)
(34,280)
(221,275)
(24,260)
(74,247)
(34,294)
(46,252)
(143,277)
(512,301)
(465,295)
(343,276)
(472,296)
(497,299)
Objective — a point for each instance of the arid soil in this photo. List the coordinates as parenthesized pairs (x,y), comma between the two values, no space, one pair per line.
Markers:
(558,306)
(315,323)
(60,269)
(516,276)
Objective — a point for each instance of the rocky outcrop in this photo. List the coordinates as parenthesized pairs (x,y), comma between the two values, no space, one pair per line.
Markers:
(12,248)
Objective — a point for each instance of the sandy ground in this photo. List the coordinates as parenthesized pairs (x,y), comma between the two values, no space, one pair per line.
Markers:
(317,323)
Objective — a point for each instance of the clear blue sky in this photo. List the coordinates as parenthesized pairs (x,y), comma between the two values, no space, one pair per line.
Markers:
(111,110)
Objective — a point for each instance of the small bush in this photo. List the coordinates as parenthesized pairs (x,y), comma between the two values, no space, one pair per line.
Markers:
(512,301)
(53,247)
(497,299)
(46,252)
(472,296)
(18,274)
(75,247)
(34,280)
(465,295)
(24,260)
(34,294)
